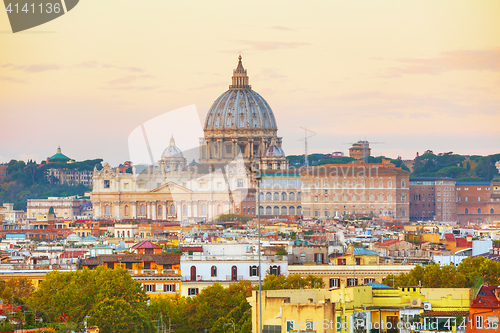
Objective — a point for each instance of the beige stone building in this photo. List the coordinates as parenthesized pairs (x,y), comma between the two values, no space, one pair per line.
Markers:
(64,207)
(359,188)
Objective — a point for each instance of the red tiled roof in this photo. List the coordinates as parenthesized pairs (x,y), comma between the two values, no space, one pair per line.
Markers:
(388,242)
(73,254)
(462,242)
(488,299)
(192,249)
(445,313)
(146,245)
(449,237)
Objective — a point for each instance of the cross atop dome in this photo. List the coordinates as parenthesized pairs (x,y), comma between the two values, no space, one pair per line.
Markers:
(240,77)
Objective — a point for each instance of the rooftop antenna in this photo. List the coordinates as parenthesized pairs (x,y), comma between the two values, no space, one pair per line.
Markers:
(305,143)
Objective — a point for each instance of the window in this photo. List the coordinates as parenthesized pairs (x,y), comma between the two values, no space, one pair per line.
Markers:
(192,291)
(169,288)
(149,288)
(106,183)
(341,261)
(272,328)
(466,210)
(213,271)
(268,196)
(492,211)
(369,280)
(352,282)
(479,210)
(291,196)
(334,282)
(203,209)
(106,210)
(254,270)
(142,210)
(283,196)
(240,182)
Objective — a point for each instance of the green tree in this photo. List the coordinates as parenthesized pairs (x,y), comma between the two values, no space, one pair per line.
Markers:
(292,281)
(117,315)
(77,293)
(21,287)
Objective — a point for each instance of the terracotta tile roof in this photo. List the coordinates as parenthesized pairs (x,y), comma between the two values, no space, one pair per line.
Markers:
(161,259)
(486,298)
(449,237)
(146,245)
(388,242)
(445,313)
(192,249)
(462,242)
(73,254)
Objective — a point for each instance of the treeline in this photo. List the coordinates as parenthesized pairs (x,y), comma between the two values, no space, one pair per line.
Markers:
(476,168)
(464,275)
(112,300)
(28,181)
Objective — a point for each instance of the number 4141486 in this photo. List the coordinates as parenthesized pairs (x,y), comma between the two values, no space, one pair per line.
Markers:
(32,8)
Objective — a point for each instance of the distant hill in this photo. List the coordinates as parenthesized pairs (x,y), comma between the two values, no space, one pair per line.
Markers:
(28,181)
(462,168)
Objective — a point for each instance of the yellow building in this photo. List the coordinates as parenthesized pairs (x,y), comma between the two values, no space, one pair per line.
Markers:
(371,308)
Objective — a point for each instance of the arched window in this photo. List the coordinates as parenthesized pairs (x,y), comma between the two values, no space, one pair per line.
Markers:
(269,210)
(268,196)
(106,210)
(203,209)
(126,210)
(193,273)
(214,271)
(299,210)
(172,209)
(283,196)
(234,273)
(492,211)
(291,196)
(142,211)
(261,210)
(466,210)
(276,196)
(389,197)
(291,210)
(298,196)
(354,197)
(344,197)
(275,270)
(261,196)
(254,270)
(380,197)
(276,210)
(283,210)
(269,166)
(479,210)
(372,197)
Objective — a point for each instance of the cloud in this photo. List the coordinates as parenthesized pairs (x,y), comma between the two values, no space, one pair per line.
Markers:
(272,45)
(139,88)
(36,68)
(94,64)
(472,60)
(128,79)
(12,79)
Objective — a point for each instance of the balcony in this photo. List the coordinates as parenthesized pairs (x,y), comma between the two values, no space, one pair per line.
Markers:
(217,278)
(153,271)
(247,257)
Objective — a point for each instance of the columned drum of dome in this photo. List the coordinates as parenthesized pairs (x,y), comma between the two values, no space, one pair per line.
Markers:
(240,120)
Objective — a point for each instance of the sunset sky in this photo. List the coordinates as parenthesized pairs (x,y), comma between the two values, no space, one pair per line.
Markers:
(411,75)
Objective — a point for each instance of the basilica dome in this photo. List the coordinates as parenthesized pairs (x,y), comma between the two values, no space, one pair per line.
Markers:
(240,107)
(172,151)
(274,152)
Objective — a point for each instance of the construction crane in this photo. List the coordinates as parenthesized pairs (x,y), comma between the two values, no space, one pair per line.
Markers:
(305,144)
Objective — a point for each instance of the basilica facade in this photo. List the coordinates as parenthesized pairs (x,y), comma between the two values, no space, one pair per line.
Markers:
(240,137)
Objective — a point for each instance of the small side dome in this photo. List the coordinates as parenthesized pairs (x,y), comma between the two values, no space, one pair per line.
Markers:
(172,151)
(273,152)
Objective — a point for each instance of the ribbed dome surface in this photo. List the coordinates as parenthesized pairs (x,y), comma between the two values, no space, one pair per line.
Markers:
(239,109)
(274,151)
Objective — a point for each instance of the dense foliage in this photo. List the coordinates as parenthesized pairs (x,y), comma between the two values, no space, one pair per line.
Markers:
(465,275)
(105,295)
(477,168)
(28,181)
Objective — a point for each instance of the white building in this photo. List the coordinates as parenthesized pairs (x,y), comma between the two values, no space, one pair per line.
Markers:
(205,264)
(66,207)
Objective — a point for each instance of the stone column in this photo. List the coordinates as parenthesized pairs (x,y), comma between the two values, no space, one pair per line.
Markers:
(250,153)
(134,209)
(210,208)
(153,206)
(116,204)
(97,212)
(164,211)
(148,209)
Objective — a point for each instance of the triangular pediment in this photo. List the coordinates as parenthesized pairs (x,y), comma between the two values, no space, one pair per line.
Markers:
(171,187)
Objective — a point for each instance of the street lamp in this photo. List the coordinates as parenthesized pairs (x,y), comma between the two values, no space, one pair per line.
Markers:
(258,178)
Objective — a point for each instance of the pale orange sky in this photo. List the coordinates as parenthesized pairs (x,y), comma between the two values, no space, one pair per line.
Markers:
(412,74)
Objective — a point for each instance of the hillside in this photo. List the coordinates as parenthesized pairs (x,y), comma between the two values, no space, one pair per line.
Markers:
(28,181)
